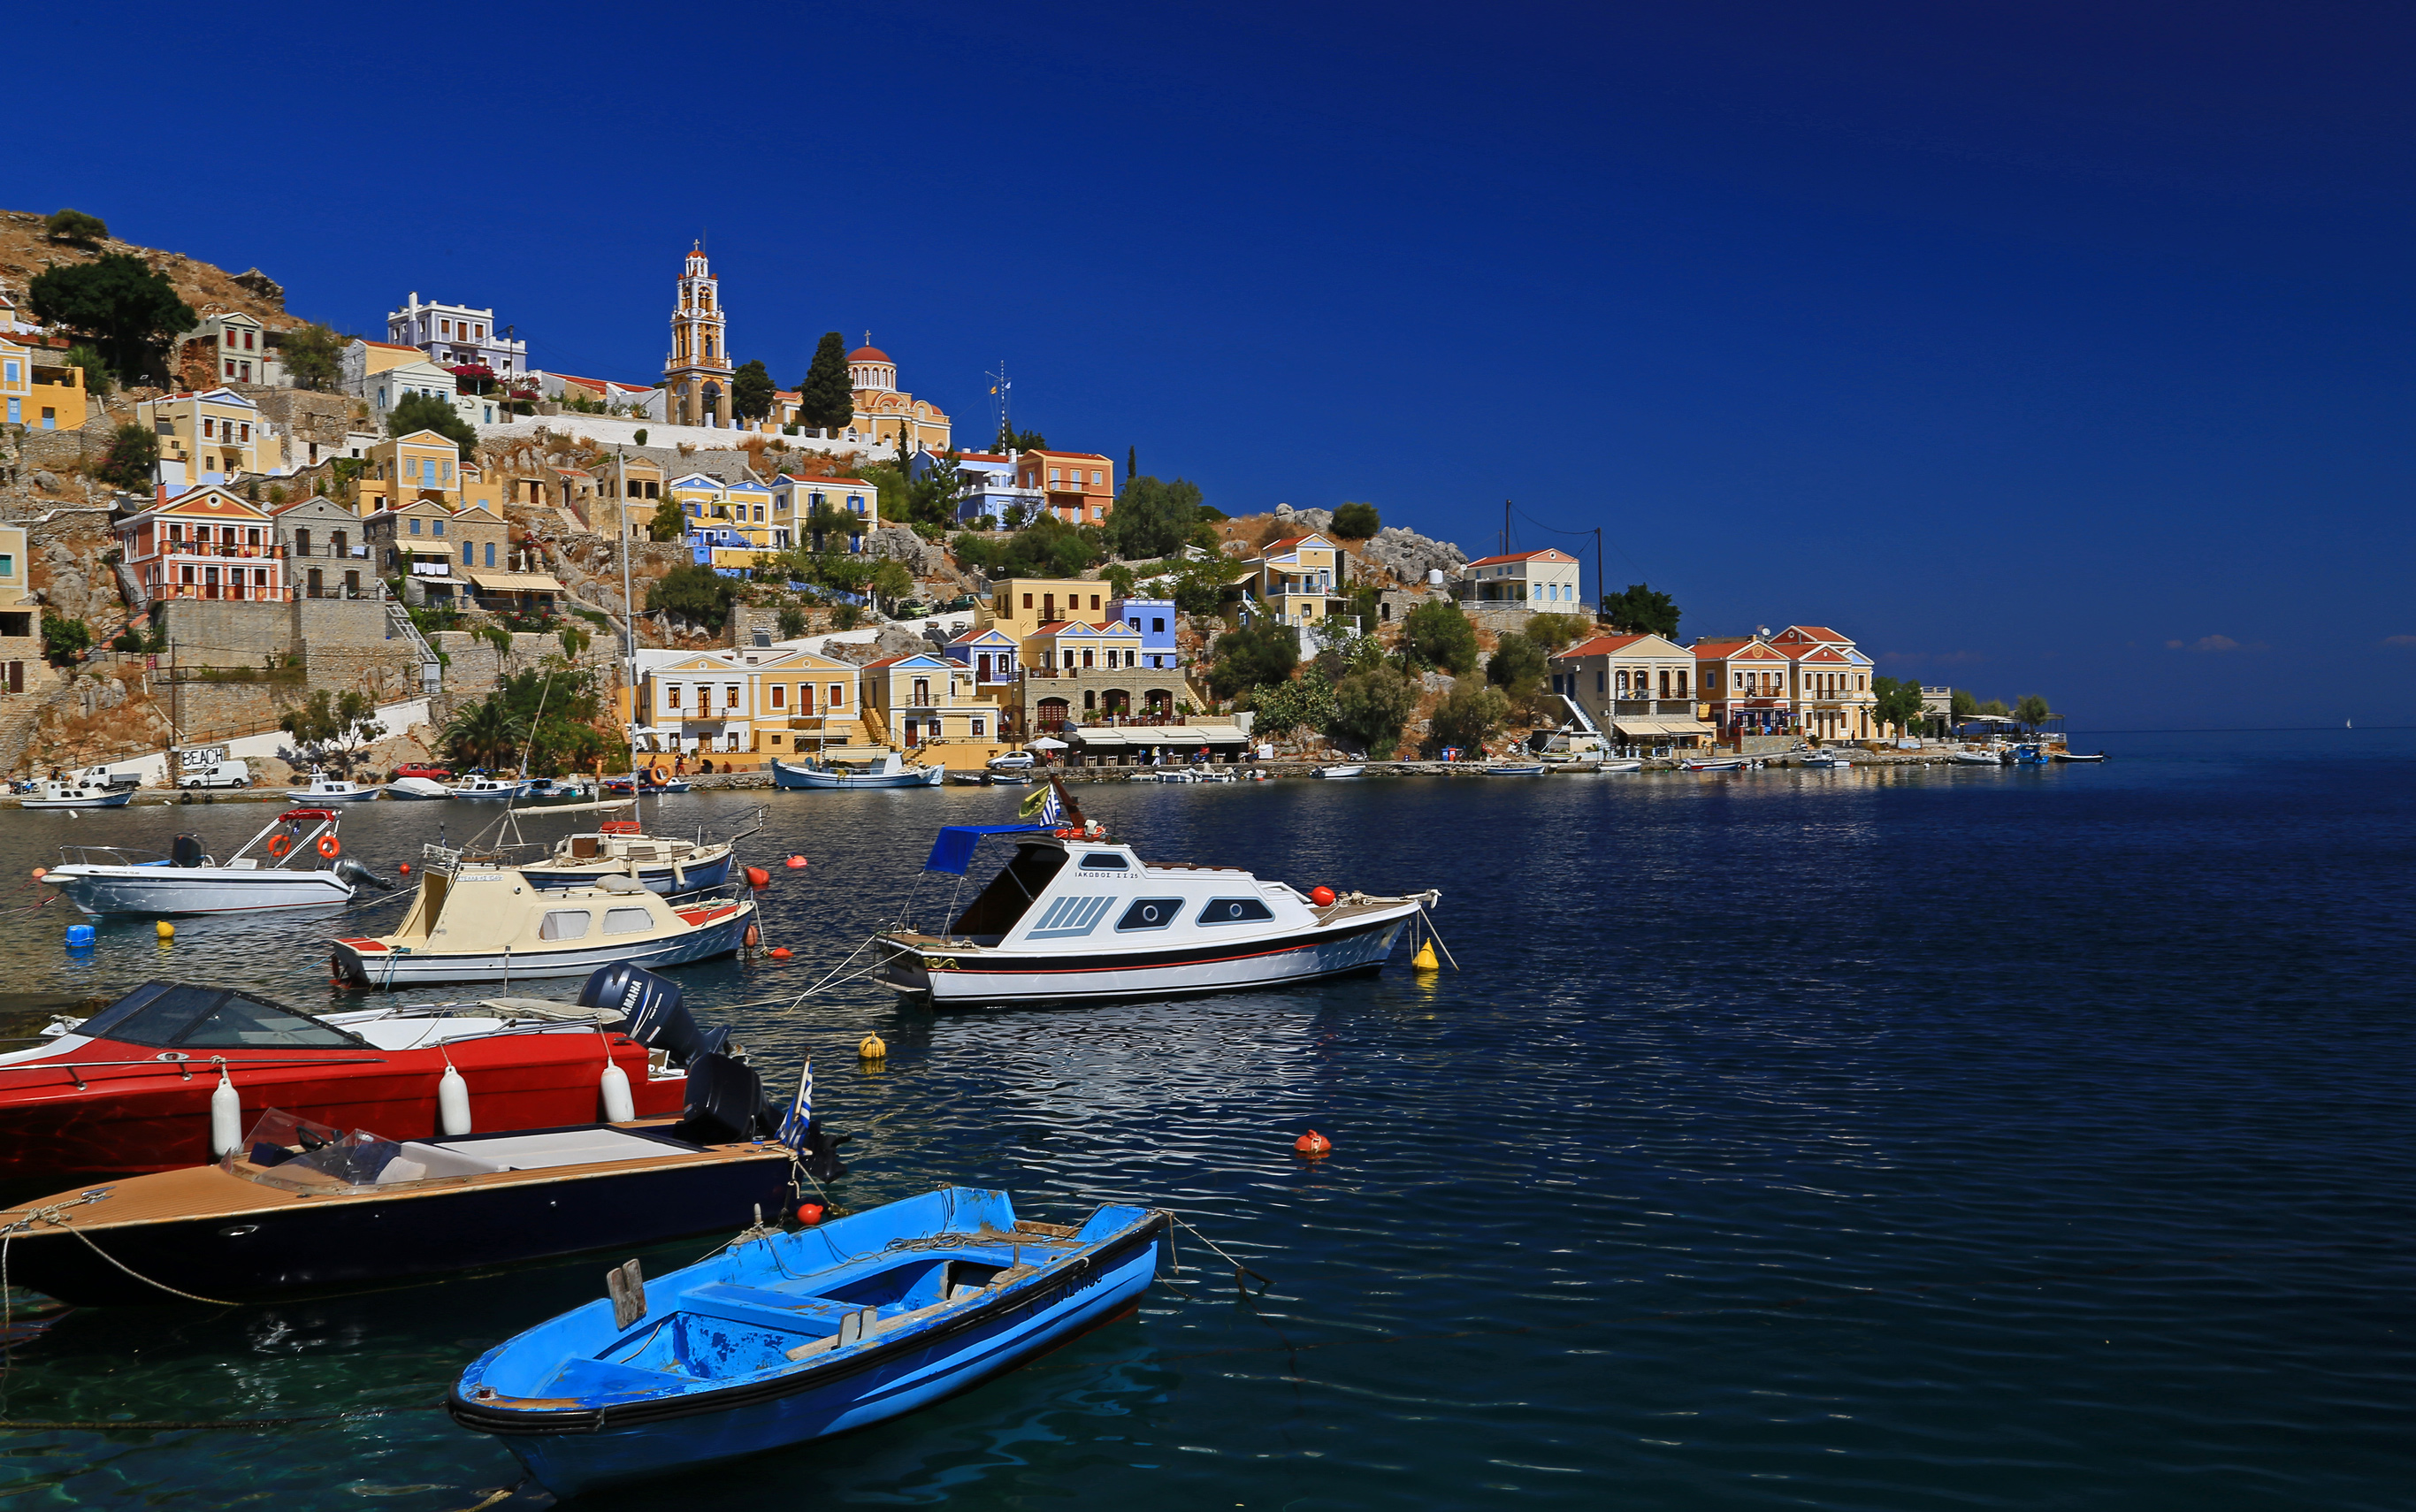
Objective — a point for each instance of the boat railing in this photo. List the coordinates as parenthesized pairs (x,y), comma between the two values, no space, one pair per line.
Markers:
(109,856)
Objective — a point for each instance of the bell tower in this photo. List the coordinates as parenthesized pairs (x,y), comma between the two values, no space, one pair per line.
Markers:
(696,376)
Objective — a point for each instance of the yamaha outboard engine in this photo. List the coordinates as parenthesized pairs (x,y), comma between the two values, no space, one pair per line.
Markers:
(186,851)
(657,1010)
(361,876)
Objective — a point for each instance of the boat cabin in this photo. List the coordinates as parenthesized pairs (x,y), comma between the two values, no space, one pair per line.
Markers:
(1061,894)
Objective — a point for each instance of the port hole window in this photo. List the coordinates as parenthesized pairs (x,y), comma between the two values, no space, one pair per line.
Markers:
(564,924)
(1234,911)
(1103,861)
(627,921)
(1150,913)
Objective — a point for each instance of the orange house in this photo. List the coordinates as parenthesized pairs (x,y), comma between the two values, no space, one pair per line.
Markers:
(205,543)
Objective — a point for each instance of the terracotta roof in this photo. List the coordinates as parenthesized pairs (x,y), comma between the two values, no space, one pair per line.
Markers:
(868,354)
(1814,632)
(1713,649)
(1600,645)
(1548,554)
(1285,544)
(1088,456)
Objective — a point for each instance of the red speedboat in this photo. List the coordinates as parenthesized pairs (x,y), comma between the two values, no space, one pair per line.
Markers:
(129,1089)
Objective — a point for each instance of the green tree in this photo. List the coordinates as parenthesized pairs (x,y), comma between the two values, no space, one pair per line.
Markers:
(890,581)
(77,227)
(750,392)
(64,639)
(1964,704)
(695,593)
(639,439)
(1640,610)
(427,412)
(483,734)
(826,398)
(1050,548)
(1995,706)
(313,356)
(1304,702)
(2034,711)
(793,622)
(97,381)
(1517,666)
(574,640)
(975,552)
(1010,439)
(1356,522)
(1555,632)
(133,454)
(119,301)
(1468,715)
(1256,654)
(669,521)
(931,499)
(1371,708)
(1897,704)
(1437,634)
(1153,519)
(327,722)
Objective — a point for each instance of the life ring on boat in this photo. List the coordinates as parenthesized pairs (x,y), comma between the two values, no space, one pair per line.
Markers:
(278,845)
(1068,834)
(329,846)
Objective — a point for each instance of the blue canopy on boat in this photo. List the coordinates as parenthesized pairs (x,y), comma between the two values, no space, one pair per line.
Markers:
(954,848)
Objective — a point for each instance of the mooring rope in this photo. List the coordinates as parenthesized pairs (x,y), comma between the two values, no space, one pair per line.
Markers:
(51,1216)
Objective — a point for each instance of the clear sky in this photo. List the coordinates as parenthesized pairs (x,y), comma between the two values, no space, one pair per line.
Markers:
(2062,348)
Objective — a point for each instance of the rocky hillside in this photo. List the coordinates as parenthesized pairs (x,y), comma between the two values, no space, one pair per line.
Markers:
(26,249)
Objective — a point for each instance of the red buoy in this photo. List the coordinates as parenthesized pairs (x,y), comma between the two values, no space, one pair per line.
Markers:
(795,863)
(403,867)
(1313,1144)
(1321,896)
(809,1214)
(758,877)
(779,952)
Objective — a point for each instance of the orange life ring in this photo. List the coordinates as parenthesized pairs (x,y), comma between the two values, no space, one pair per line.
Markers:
(329,846)
(278,845)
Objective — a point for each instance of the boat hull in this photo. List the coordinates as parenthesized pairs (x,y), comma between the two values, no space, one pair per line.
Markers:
(660,878)
(1004,978)
(304,795)
(100,891)
(112,801)
(367,963)
(343,1245)
(786,776)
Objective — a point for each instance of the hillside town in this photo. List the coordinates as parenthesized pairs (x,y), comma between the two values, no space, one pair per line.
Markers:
(225,528)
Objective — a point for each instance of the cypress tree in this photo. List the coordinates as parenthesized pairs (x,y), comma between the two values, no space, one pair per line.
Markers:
(826,399)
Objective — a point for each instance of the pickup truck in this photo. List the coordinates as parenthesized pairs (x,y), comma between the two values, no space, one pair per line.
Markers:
(104,776)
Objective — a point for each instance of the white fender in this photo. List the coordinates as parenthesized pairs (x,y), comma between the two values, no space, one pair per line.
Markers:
(226,1117)
(453,1102)
(618,1109)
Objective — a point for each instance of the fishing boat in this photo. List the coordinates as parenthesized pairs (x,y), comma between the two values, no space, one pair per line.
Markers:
(2027,755)
(475,921)
(2073,756)
(891,771)
(295,861)
(78,793)
(1074,917)
(136,1086)
(666,863)
(1512,769)
(790,1338)
(322,788)
(484,789)
(1341,770)
(417,788)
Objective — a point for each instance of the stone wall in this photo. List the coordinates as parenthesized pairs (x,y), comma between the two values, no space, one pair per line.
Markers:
(305,414)
(221,633)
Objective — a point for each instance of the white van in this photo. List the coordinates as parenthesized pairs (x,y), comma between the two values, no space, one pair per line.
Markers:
(215,775)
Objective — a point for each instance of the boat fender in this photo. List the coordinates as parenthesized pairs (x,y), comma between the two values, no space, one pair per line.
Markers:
(795,863)
(329,846)
(758,877)
(1321,896)
(452,1101)
(226,1117)
(1314,1145)
(39,873)
(278,845)
(809,1214)
(80,936)
(754,936)
(618,1108)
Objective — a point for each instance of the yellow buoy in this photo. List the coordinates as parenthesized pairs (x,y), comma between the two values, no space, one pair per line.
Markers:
(166,930)
(1425,959)
(871,1049)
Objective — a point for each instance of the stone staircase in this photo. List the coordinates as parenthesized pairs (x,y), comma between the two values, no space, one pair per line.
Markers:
(431,671)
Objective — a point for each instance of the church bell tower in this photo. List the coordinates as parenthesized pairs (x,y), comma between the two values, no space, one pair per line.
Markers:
(696,376)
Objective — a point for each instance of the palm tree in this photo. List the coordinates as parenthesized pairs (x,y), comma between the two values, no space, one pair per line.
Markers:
(483,734)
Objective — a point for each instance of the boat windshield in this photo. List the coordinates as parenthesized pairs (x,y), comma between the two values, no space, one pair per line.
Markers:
(187,1016)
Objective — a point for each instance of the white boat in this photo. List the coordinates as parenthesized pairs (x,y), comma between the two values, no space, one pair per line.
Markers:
(474,923)
(666,863)
(1075,919)
(1512,769)
(1345,769)
(296,862)
(78,794)
(1978,758)
(1620,763)
(417,787)
(490,789)
(325,789)
(1723,764)
(891,771)
(1826,759)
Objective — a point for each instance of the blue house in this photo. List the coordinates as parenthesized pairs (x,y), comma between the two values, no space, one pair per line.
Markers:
(990,653)
(991,485)
(1155,619)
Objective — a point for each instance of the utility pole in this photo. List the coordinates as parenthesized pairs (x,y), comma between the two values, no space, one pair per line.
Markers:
(1506,527)
(1601,583)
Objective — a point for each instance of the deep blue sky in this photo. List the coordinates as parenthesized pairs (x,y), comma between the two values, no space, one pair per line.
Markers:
(2019,341)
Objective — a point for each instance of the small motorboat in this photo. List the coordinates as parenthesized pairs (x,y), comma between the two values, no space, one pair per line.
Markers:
(417,788)
(553,792)
(2029,755)
(1977,758)
(485,789)
(1342,770)
(2070,756)
(1616,763)
(1512,769)
(646,781)
(1721,764)
(794,1337)
(325,789)
(266,871)
(474,921)
(1077,917)
(974,779)
(76,793)
(1828,760)
(661,863)
(137,1086)
(891,771)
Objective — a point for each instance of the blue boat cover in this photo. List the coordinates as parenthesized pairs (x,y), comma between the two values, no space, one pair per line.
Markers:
(954,848)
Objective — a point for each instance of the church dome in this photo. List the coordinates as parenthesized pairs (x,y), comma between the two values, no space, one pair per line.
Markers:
(867,354)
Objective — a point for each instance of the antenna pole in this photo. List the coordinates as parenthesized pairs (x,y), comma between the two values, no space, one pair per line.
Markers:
(1601,583)
(1506,527)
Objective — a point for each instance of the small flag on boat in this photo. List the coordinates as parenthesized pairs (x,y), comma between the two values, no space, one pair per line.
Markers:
(1044,804)
(801,1113)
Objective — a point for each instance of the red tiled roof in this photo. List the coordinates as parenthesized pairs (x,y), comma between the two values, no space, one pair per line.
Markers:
(1088,456)
(868,354)
(1812,632)
(1600,645)
(889,661)
(1733,645)
(1548,554)
(1287,543)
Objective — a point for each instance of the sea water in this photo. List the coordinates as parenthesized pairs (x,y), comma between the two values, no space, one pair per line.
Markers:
(1947,1137)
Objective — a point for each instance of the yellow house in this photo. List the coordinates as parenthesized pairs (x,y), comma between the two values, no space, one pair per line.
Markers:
(16,613)
(39,391)
(207,438)
(1020,606)
(927,700)
(1299,578)
(760,703)
(421,465)
(634,485)
(1074,646)
(16,380)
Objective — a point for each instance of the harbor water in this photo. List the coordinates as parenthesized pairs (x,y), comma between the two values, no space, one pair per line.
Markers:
(1934,1137)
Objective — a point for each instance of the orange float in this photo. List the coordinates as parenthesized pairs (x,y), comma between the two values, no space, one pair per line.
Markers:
(1314,1145)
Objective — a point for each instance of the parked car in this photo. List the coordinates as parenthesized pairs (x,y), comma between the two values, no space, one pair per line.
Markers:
(228,774)
(430,770)
(1013,761)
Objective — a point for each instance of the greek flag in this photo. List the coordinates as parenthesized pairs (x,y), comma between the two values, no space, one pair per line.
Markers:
(1044,804)
(801,1113)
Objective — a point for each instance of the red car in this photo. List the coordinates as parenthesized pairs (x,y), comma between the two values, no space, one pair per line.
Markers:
(434,774)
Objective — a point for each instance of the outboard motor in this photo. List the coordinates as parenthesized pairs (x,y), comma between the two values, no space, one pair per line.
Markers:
(657,1010)
(188,851)
(359,875)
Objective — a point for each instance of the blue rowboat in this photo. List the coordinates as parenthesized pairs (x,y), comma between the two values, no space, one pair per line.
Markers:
(794,1337)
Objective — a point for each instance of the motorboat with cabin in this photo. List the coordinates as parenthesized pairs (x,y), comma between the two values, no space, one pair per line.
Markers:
(1075,916)
(76,793)
(666,863)
(482,788)
(324,788)
(295,861)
